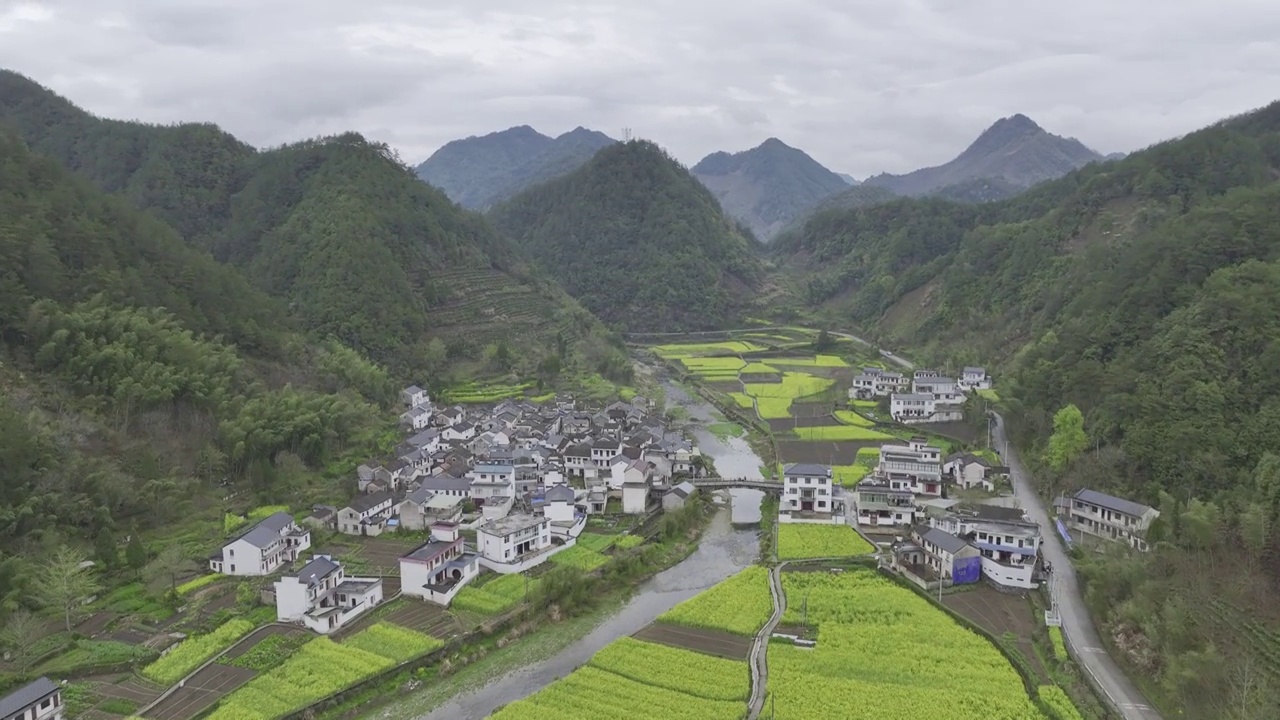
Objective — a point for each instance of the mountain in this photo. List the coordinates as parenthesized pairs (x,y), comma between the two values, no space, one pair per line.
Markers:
(477,172)
(1144,291)
(139,373)
(637,240)
(357,247)
(768,186)
(1012,155)
(849,179)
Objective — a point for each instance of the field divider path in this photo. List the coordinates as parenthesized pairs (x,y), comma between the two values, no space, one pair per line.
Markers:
(759,649)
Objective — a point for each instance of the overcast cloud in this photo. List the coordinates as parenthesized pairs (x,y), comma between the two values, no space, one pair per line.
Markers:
(864,86)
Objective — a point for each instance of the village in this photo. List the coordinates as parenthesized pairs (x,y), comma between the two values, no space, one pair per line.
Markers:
(497,491)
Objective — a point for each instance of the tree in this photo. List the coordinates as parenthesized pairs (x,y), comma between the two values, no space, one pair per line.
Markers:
(824,341)
(21,631)
(64,582)
(1068,439)
(162,573)
(1255,530)
(134,554)
(104,548)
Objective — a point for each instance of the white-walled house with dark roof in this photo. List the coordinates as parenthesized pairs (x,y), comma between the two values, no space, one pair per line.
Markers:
(323,598)
(439,568)
(40,699)
(1111,518)
(811,495)
(263,549)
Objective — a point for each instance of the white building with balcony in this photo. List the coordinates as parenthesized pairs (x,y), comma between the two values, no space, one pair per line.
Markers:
(263,549)
(1009,547)
(438,569)
(915,467)
(492,482)
(323,598)
(876,504)
(810,494)
(509,541)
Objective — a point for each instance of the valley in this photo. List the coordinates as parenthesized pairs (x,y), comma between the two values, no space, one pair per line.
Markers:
(561,426)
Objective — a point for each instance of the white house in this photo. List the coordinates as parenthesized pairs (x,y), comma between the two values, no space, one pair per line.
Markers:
(323,598)
(262,550)
(809,493)
(40,699)
(912,407)
(949,556)
(969,471)
(624,470)
(974,378)
(875,382)
(438,569)
(1009,546)
(635,496)
(916,467)
(578,462)
(460,430)
(941,386)
(413,396)
(559,505)
(876,504)
(492,482)
(366,515)
(509,540)
(604,450)
(424,507)
(676,497)
(416,418)
(1111,518)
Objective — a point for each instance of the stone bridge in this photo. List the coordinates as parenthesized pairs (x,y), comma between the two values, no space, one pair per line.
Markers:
(716,483)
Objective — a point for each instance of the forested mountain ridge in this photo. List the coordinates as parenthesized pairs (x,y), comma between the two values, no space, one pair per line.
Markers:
(1146,292)
(1014,154)
(137,372)
(638,240)
(359,248)
(478,171)
(768,186)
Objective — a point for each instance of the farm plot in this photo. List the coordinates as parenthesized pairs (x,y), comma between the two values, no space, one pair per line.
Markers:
(393,642)
(883,646)
(998,613)
(695,349)
(797,542)
(812,361)
(579,557)
(630,675)
(850,475)
(838,433)
(496,596)
(318,669)
(426,618)
(202,690)
(824,453)
(740,605)
(194,651)
(709,642)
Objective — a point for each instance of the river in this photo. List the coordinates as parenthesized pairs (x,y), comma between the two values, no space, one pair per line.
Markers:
(726,547)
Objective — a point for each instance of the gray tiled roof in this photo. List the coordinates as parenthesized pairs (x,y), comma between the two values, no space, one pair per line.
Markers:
(1110,502)
(943,539)
(25,696)
(807,470)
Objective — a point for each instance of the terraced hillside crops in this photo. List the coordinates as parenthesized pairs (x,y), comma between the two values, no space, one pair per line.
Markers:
(882,646)
(491,308)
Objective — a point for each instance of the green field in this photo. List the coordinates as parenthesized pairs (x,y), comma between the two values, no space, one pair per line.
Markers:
(837,433)
(848,417)
(797,542)
(850,475)
(759,368)
(683,350)
(815,361)
(740,605)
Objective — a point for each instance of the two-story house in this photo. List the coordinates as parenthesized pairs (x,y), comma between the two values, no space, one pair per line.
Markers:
(604,450)
(505,541)
(578,462)
(323,598)
(436,570)
(423,507)
(366,515)
(876,504)
(967,470)
(1008,543)
(1111,518)
(263,549)
(875,382)
(413,396)
(952,558)
(916,466)
(809,493)
(416,418)
(974,378)
(912,408)
(40,699)
(492,482)
(461,430)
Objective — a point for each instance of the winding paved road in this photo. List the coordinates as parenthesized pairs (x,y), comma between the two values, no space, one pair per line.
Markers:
(1077,626)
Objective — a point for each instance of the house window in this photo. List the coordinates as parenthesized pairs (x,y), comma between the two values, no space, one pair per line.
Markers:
(231,553)
(822,503)
(233,568)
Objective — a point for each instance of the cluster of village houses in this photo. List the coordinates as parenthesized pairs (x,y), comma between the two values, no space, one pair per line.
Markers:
(938,538)
(524,477)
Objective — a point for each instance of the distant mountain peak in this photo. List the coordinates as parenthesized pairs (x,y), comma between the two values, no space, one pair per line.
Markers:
(477,172)
(1014,153)
(768,186)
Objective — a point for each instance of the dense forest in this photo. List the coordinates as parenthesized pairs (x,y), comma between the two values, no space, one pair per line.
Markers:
(638,240)
(337,228)
(138,373)
(1146,292)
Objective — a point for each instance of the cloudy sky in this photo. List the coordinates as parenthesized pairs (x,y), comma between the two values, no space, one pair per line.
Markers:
(864,86)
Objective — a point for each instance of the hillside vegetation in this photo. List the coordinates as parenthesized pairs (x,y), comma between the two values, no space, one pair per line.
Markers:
(638,241)
(337,228)
(1146,292)
(477,172)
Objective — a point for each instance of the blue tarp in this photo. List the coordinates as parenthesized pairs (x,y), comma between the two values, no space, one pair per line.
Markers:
(1062,530)
(966,570)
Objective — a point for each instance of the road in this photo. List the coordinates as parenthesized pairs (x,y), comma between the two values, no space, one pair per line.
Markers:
(1077,626)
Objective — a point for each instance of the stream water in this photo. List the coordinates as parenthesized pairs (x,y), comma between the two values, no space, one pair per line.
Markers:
(726,547)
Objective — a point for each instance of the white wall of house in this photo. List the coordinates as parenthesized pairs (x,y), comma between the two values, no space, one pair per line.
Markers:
(506,548)
(559,511)
(799,491)
(635,498)
(1009,575)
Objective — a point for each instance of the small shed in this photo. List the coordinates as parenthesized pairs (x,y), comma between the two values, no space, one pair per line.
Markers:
(675,498)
